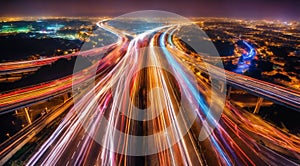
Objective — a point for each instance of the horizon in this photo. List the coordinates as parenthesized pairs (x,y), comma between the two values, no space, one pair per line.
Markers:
(29,18)
(255,9)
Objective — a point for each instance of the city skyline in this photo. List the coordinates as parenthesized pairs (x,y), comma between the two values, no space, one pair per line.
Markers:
(273,10)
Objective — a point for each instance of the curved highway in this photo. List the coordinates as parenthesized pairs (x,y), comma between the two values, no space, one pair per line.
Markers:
(90,134)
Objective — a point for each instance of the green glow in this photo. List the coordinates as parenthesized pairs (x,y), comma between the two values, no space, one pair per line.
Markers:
(10,29)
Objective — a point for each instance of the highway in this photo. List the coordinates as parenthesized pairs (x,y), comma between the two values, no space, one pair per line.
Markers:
(148,108)
(251,53)
(17,141)
(278,94)
(20,66)
(18,98)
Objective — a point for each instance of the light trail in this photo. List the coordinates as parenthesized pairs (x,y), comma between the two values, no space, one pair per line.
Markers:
(245,60)
(21,97)
(143,88)
(269,133)
(250,55)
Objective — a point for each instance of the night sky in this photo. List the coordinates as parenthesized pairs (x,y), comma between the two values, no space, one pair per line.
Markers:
(255,9)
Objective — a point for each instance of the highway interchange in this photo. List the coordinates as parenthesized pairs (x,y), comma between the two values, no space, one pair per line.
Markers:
(148,107)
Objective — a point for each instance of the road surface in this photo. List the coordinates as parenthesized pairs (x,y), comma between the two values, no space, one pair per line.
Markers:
(149,92)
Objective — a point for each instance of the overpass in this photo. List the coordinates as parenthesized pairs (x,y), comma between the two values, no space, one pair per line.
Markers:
(275,93)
